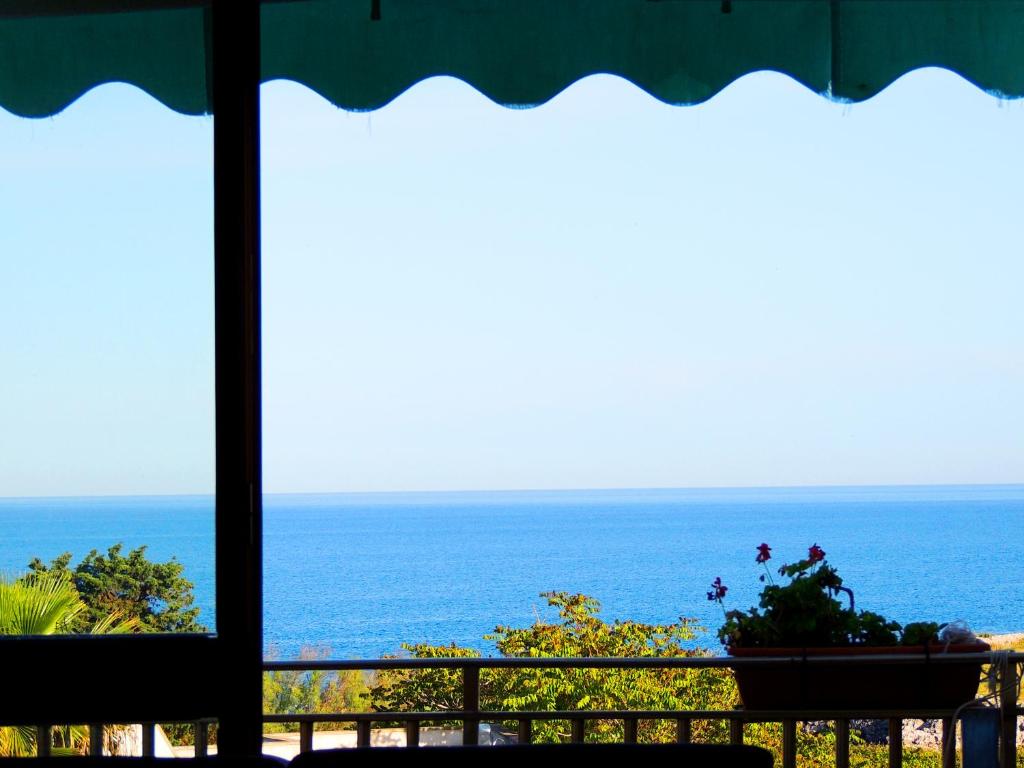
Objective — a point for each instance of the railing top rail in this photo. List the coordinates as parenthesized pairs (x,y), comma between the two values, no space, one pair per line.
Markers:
(608,662)
(802,715)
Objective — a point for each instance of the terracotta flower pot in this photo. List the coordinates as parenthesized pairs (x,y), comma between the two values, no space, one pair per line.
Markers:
(843,686)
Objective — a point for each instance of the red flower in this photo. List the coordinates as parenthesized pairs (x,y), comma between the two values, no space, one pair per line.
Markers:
(764,553)
(718,589)
(815,554)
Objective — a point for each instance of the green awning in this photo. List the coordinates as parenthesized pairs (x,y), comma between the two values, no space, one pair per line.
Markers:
(360,54)
(47,60)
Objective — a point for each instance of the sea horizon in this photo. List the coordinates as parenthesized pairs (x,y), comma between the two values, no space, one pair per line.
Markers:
(361,573)
(823,487)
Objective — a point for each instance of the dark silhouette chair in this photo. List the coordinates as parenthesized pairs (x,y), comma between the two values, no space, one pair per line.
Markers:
(532,755)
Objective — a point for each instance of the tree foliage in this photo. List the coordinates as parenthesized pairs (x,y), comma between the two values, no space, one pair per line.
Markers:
(157,595)
(578,631)
(314,691)
(428,690)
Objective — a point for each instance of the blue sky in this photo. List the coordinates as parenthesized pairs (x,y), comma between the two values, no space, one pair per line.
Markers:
(767,289)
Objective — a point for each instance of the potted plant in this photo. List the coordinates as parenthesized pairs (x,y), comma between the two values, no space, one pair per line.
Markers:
(802,619)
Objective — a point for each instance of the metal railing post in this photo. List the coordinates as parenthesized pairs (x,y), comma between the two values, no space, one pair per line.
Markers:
(842,743)
(363,728)
(735,731)
(629,730)
(579,730)
(525,731)
(789,744)
(44,740)
(895,742)
(412,733)
(95,740)
(306,736)
(148,739)
(684,731)
(202,739)
(471,704)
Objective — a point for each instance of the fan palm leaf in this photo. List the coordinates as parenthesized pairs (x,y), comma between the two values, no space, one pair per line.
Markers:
(38,604)
(115,624)
(18,741)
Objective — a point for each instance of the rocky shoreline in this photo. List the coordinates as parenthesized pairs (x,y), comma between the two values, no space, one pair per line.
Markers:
(922,734)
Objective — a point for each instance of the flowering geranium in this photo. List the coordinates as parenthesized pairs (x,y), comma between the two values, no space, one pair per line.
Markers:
(718,590)
(806,613)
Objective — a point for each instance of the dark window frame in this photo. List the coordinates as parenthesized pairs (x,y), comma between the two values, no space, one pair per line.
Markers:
(171,678)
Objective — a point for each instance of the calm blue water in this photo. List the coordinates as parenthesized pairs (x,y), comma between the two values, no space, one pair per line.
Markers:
(361,573)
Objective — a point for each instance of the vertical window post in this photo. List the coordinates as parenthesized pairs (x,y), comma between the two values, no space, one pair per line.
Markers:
(235,72)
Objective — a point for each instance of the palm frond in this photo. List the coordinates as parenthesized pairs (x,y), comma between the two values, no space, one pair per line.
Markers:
(38,604)
(18,741)
(116,624)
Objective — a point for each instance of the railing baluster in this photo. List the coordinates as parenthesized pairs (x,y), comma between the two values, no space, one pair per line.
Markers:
(895,742)
(363,733)
(412,733)
(44,740)
(471,704)
(202,739)
(948,750)
(842,743)
(684,731)
(789,744)
(629,729)
(579,730)
(735,731)
(306,736)
(95,740)
(148,739)
(1008,707)
(525,730)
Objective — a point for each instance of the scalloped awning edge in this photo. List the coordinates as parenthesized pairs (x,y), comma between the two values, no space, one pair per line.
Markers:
(361,54)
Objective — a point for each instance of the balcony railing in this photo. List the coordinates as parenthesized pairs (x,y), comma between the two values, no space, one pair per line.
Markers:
(1003,687)
(1002,675)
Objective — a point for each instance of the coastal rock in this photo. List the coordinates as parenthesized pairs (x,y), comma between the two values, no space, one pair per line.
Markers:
(923,734)
(926,734)
(871,731)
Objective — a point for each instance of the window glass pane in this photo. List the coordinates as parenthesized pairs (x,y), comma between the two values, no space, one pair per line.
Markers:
(106,335)
(471,313)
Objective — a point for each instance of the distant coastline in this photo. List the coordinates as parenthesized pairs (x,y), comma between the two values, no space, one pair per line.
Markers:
(1003,641)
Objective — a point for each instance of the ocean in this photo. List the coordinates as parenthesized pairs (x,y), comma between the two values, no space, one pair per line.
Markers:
(359,574)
